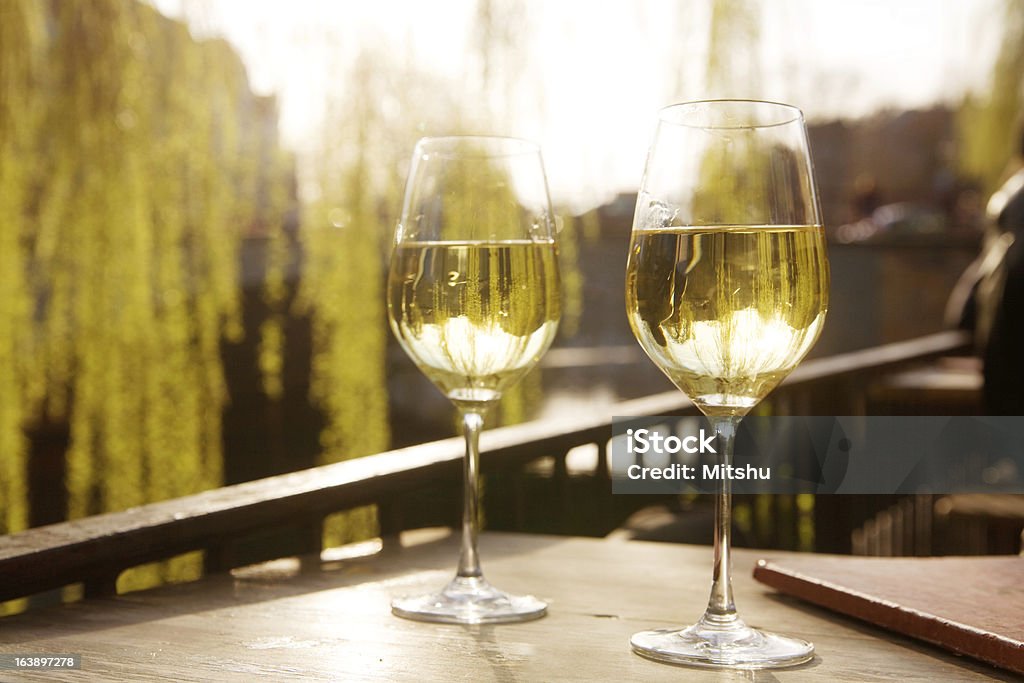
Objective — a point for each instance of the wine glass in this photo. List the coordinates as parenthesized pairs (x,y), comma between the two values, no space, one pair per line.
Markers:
(474,299)
(726,290)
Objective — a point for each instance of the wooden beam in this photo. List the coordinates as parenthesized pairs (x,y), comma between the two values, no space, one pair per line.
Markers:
(101,546)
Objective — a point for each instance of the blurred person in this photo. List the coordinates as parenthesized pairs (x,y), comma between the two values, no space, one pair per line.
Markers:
(989,298)
(959,199)
(864,200)
(866,197)
(968,211)
(1003,312)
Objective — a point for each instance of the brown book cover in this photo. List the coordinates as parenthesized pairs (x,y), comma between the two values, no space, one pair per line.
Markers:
(970,605)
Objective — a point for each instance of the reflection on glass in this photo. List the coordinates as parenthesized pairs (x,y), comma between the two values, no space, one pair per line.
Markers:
(726,291)
(473,297)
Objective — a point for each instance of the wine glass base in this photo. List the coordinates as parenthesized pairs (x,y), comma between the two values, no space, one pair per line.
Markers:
(469,601)
(738,647)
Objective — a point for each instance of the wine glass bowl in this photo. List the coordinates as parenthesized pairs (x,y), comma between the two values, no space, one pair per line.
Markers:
(467,316)
(727,290)
(474,300)
(727,311)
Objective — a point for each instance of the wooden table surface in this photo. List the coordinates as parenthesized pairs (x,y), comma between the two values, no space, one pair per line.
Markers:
(330,621)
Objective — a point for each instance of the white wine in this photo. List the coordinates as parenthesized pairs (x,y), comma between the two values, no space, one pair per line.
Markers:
(474,316)
(727,312)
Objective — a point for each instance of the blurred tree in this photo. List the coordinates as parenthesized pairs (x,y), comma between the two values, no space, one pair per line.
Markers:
(499,31)
(572,275)
(733,68)
(344,236)
(351,208)
(20,47)
(989,126)
(276,289)
(136,250)
(129,159)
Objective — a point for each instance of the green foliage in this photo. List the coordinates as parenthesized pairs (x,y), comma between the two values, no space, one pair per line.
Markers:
(147,193)
(477,201)
(346,228)
(129,161)
(275,288)
(572,276)
(719,198)
(990,127)
(345,231)
(132,159)
(19,119)
(733,60)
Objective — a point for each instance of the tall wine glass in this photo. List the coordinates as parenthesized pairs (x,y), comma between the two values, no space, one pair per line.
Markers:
(726,290)
(474,299)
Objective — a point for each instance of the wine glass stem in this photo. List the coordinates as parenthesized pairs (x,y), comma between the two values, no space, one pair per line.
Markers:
(721,609)
(469,560)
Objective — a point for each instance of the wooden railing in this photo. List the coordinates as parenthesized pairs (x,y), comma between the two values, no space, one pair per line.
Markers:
(222,523)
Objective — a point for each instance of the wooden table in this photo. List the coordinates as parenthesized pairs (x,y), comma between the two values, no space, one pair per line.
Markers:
(330,620)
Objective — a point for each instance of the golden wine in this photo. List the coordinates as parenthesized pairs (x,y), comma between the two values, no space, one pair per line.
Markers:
(727,312)
(474,316)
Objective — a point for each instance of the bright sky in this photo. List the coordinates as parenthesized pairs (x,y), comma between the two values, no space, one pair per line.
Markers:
(591,75)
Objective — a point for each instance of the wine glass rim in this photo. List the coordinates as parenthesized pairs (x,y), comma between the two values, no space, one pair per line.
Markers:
(483,146)
(788,113)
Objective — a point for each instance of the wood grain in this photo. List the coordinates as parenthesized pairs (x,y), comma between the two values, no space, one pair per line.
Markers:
(970,605)
(330,621)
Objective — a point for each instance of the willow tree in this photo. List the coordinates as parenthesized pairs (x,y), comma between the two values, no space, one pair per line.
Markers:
(499,29)
(135,251)
(352,202)
(345,228)
(990,126)
(733,40)
(20,47)
(149,152)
